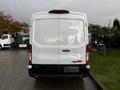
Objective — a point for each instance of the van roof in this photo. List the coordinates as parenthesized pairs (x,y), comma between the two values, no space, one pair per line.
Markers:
(47,12)
(69,12)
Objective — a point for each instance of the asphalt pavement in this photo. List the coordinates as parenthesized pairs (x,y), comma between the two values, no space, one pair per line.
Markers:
(14,75)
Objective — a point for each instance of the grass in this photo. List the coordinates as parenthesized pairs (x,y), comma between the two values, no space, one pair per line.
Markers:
(106,69)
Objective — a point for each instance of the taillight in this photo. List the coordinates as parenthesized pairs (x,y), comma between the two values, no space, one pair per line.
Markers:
(30,53)
(87,53)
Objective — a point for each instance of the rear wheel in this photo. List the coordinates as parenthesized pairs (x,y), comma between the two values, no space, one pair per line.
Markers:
(33,75)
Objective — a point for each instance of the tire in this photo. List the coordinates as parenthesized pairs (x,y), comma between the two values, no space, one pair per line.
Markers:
(0,47)
(30,73)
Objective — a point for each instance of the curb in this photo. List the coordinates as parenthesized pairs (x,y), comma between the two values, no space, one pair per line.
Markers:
(96,82)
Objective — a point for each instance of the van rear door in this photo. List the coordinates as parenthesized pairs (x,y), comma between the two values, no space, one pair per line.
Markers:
(71,40)
(45,39)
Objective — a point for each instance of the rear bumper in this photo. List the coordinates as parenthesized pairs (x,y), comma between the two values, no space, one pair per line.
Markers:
(36,70)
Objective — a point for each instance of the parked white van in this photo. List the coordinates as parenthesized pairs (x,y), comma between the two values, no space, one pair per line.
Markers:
(59,44)
(6,41)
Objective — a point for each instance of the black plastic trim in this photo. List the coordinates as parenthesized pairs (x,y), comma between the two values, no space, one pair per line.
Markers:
(59,11)
(42,70)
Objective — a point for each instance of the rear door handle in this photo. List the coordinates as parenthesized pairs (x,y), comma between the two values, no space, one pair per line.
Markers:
(66,50)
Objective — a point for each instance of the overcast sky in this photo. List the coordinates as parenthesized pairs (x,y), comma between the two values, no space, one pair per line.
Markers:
(98,11)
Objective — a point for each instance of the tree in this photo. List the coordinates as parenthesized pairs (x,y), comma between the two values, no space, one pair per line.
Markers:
(116,31)
(116,23)
(116,27)
(14,27)
(4,21)
(94,29)
(101,33)
(25,27)
(8,25)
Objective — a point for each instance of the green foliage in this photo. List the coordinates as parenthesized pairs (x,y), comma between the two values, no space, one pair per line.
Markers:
(94,29)
(100,31)
(111,36)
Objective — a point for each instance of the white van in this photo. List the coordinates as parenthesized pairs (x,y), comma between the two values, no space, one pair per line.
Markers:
(6,41)
(59,44)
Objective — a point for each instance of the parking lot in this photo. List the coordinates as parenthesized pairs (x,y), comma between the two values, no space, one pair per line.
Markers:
(14,75)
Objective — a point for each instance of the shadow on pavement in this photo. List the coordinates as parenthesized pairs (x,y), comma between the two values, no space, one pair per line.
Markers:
(59,84)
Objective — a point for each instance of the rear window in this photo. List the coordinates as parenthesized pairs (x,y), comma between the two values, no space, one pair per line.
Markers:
(71,32)
(62,31)
(4,37)
(45,32)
